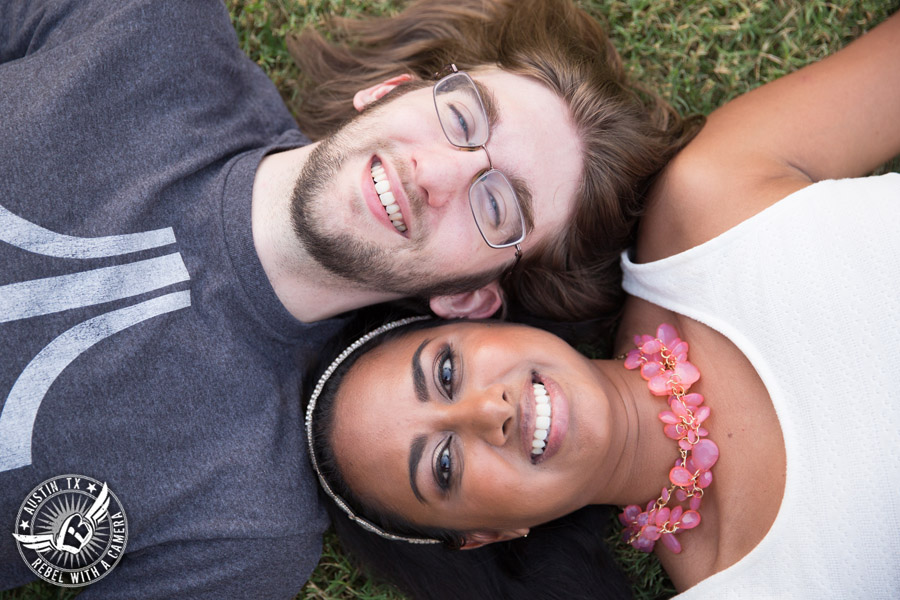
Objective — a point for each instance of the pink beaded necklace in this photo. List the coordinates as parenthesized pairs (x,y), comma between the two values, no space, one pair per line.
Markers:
(664,365)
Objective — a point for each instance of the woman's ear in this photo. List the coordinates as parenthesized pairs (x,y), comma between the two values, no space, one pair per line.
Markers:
(364,98)
(477,539)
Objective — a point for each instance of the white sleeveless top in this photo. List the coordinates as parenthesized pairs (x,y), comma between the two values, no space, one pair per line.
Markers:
(809,291)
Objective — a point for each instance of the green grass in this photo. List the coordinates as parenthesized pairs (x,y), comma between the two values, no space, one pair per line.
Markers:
(698,54)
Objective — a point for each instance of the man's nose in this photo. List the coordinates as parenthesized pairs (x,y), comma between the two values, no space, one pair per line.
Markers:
(487,413)
(445,173)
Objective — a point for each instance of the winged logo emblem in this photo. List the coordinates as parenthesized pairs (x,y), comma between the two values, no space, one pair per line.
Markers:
(76,530)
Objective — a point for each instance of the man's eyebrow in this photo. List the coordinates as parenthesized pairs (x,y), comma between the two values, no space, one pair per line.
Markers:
(523,192)
(490,104)
(415,455)
(418,374)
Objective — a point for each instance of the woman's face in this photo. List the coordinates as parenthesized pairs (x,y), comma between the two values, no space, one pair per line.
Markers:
(439,426)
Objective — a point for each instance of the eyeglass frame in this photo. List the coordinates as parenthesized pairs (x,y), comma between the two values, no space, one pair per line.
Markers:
(444,74)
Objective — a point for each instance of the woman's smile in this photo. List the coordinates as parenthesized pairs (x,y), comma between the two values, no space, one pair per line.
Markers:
(546,418)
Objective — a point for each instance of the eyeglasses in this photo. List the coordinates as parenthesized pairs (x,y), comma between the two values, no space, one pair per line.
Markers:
(492,199)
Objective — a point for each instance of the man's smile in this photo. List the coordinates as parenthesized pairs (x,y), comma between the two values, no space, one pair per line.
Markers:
(383,189)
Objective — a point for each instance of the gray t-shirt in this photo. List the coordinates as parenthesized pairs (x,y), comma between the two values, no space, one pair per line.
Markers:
(140,341)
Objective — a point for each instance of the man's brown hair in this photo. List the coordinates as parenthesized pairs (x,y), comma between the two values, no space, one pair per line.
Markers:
(627,133)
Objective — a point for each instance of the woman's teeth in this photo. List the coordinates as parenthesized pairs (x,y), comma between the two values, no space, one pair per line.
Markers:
(542,422)
(383,188)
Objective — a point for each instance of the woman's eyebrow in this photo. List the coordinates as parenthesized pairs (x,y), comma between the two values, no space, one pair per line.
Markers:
(418,374)
(415,455)
(418,444)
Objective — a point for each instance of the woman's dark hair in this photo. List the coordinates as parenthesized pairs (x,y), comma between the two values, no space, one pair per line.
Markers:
(627,133)
(566,558)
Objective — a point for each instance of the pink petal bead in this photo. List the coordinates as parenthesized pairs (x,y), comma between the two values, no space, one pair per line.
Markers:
(693,399)
(680,495)
(690,519)
(633,359)
(651,347)
(650,532)
(680,476)
(650,369)
(702,414)
(662,516)
(632,511)
(671,432)
(687,373)
(671,543)
(704,479)
(659,385)
(669,417)
(678,407)
(696,499)
(684,444)
(644,545)
(676,513)
(666,333)
(705,454)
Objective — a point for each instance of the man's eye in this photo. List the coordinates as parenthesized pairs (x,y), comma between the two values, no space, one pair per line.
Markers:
(443,467)
(493,207)
(460,122)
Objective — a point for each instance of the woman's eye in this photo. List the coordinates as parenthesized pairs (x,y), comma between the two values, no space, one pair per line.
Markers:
(445,372)
(444,465)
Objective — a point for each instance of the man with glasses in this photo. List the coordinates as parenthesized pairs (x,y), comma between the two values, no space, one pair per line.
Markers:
(174,252)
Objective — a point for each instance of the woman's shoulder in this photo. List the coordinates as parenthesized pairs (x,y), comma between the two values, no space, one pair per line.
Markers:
(707,190)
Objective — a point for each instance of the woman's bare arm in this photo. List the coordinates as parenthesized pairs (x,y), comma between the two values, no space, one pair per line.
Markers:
(839,117)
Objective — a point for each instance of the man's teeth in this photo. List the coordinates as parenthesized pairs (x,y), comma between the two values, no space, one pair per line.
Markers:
(542,421)
(383,188)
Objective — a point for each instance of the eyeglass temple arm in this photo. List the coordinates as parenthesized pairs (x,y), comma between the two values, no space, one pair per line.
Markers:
(447,70)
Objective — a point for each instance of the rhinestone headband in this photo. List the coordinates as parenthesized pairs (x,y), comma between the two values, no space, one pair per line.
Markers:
(310,409)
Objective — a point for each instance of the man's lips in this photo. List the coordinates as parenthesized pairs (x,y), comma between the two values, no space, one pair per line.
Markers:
(385,197)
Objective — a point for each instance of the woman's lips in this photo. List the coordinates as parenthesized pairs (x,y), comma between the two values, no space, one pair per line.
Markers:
(546,410)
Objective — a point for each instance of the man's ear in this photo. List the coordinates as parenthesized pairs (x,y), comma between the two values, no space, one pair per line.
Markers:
(365,97)
(477,539)
(480,304)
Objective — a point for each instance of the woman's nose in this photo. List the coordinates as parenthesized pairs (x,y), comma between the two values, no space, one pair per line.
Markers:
(487,413)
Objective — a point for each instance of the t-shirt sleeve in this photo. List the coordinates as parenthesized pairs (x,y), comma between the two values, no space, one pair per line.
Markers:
(212,569)
(28,26)
(19,20)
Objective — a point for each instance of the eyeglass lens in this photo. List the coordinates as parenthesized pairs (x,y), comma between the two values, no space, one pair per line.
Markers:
(491,197)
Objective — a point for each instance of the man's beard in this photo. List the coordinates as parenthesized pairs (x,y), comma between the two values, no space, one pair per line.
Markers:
(348,257)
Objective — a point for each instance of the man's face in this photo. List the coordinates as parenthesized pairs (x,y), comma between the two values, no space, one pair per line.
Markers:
(433,247)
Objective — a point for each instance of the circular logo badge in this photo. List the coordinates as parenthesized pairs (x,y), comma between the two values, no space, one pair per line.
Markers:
(71,530)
